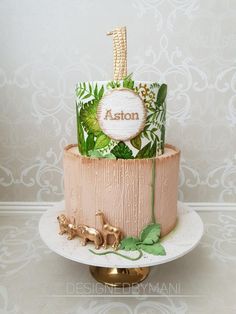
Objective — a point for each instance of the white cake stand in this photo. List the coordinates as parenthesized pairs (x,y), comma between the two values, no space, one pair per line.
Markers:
(115,270)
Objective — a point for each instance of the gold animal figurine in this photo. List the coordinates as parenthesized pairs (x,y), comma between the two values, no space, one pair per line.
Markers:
(109,229)
(67,227)
(92,234)
(63,223)
(72,230)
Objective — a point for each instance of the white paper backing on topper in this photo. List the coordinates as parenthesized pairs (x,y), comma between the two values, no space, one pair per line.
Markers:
(121,114)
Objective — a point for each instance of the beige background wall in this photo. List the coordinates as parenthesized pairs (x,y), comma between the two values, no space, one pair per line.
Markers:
(47,46)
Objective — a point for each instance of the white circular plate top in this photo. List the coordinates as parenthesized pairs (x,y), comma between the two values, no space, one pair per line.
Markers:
(180,241)
(121,114)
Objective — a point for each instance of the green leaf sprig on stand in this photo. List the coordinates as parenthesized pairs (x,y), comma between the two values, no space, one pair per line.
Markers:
(149,241)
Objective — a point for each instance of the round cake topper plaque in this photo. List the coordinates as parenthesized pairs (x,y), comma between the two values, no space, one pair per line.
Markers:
(121,114)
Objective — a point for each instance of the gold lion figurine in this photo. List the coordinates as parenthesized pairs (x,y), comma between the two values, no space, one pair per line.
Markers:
(67,227)
(63,223)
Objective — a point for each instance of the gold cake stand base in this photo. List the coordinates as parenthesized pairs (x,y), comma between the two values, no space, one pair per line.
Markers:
(119,277)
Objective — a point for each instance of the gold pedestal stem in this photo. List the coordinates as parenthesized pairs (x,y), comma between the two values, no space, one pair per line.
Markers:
(119,277)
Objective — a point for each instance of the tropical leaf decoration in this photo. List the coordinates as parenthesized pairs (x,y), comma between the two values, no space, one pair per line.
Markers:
(128,82)
(88,116)
(88,113)
(150,234)
(148,151)
(102,141)
(121,150)
(136,142)
(98,154)
(84,92)
(87,119)
(163,129)
(113,84)
(80,133)
(161,96)
(156,120)
(149,241)
(144,152)
(129,244)
(90,142)
(149,143)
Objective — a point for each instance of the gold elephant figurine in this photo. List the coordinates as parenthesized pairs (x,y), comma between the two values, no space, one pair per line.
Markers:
(63,223)
(91,234)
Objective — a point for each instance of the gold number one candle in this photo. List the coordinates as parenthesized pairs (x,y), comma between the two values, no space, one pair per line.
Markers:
(120,52)
(121,112)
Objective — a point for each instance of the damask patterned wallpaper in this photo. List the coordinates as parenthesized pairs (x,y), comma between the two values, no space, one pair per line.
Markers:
(47,46)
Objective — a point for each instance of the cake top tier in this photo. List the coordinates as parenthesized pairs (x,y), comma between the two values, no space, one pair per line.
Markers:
(121,118)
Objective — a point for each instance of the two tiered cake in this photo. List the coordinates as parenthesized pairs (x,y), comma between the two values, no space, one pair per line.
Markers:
(121,165)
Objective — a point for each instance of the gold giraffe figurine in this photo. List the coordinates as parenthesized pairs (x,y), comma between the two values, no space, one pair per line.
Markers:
(119,52)
(91,234)
(109,229)
(63,223)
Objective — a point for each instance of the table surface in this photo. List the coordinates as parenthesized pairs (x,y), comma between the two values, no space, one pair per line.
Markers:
(35,280)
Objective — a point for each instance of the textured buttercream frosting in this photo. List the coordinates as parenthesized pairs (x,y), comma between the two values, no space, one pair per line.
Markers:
(122,189)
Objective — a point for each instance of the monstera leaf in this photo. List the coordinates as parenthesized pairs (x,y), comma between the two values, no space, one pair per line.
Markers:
(88,116)
(121,150)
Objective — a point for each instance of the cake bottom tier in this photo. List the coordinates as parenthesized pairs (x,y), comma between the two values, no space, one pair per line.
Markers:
(122,190)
